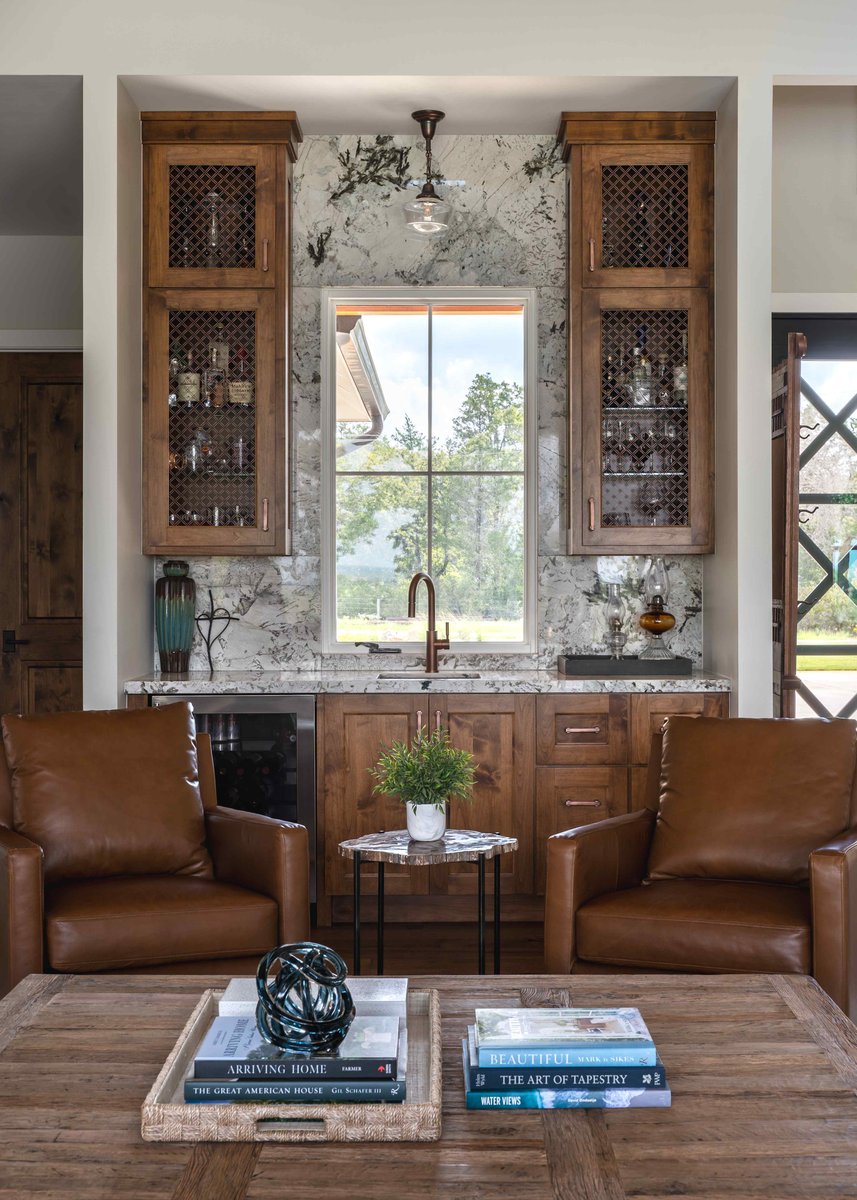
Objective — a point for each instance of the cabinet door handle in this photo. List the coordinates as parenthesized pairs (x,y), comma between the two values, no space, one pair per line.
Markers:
(583,729)
(264,254)
(419,720)
(265,515)
(437,718)
(592,254)
(592,513)
(582,803)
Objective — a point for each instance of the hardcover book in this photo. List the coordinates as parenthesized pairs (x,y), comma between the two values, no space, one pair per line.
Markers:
(621,1028)
(525,1078)
(233,1048)
(327,1091)
(611,1097)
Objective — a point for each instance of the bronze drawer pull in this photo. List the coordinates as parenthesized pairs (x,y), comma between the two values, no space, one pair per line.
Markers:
(583,729)
(437,718)
(582,803)
(264,254)
(419,720)
(592,254)
(265,514)
(591,513)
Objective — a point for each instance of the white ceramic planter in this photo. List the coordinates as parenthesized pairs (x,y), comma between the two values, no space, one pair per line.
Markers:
(425,822)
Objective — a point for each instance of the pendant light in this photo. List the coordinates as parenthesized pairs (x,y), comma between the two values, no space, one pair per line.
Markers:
(427,216)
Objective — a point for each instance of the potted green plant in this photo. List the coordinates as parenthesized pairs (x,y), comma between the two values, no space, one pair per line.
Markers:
(424,776)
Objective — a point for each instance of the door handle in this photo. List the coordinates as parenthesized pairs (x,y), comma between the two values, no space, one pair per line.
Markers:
(437,717)
(419,720)
(592,254)
(264,254)
(582,803)
(583,729)
(592,513)
(265,514)
(11,642)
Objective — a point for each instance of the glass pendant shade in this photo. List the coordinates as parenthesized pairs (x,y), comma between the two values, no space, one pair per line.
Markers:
(427,215)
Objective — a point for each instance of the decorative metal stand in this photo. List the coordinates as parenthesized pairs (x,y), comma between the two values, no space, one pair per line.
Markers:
(205,623)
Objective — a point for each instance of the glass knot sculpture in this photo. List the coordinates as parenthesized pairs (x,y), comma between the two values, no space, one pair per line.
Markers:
(307,1007)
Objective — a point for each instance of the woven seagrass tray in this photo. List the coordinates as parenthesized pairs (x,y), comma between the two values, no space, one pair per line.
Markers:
(166,1117)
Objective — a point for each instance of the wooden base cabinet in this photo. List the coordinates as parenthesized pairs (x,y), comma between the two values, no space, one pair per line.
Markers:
(545,764)
(497,730)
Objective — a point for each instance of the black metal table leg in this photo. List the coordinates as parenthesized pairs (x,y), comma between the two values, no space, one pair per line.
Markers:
(356,912)
(497,914)
(481,875)
(380,918)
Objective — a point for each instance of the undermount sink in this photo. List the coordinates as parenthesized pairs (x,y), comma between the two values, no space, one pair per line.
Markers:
(429,675)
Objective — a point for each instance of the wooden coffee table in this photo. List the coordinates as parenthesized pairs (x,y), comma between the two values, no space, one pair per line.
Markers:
(763,1071)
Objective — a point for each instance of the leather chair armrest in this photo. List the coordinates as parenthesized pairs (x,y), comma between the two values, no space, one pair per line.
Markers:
(833,884)
(21,909)
(264,855)
(586,862)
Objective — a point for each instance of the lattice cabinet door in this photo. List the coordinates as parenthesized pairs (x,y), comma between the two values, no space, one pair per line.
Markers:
(213,429)
(645,215)
(642,423)
(211,215)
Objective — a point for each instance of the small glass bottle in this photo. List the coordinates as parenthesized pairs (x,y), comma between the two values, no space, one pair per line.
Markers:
(188,388)
(680,375)
(175,368)
(214,381)
(639,379)
(240,388)
(663,383)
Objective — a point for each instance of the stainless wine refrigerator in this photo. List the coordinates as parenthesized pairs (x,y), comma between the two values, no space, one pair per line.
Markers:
(264,755)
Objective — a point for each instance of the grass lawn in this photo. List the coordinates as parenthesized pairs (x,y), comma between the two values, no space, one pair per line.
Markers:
(826,662)
(365,629)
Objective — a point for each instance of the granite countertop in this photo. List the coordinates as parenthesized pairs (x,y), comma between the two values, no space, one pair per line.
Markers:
(313,680)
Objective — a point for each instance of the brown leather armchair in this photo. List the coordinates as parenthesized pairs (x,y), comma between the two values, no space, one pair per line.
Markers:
(114,855)
(744,859)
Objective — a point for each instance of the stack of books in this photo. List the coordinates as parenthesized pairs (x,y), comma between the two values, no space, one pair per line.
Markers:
(562,1058)
(234,1063)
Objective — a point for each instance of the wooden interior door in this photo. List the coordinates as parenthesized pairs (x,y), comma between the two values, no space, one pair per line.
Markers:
(785,507)
(41,532)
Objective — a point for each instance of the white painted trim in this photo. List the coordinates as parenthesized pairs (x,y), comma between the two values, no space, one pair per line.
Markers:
(41,339)
(330,297)
(814,302)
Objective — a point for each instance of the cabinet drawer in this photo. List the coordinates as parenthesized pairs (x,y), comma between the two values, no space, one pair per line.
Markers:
(578,730)
(570,796)
(649,712)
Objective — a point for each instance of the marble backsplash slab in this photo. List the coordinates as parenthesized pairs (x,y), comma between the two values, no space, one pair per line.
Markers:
(510,204)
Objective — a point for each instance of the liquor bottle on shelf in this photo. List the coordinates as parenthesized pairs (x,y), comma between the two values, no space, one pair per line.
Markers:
(640,239)
(175,369)
(663,382)
(606,245)
(214,381)
(240,388)
(240,455)
(680,375)
(188,389)
(212,247)
(220,343)
(639,378)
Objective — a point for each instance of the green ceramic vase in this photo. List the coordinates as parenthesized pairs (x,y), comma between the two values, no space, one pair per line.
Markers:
(175,608)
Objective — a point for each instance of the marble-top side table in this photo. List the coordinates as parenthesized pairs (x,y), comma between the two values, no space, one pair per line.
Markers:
(456,845)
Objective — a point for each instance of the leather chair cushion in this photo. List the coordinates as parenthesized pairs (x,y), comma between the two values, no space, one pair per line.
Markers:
(699,925)
(109,793)
(749,799)
(105,924)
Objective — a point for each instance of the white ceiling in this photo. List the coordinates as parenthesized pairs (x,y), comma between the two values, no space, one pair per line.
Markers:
(41,155)
(486,104)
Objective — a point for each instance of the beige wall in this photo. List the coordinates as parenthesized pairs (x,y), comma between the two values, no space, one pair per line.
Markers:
(41,293)
(110,38)
(815,190)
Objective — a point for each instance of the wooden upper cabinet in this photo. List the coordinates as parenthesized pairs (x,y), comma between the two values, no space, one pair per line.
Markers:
(641,428)
(213,469)
(216,233)
(646,214)
(211,216)
(644,451)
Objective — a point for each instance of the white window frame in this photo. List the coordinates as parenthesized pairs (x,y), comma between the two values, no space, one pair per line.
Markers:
(330,298)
